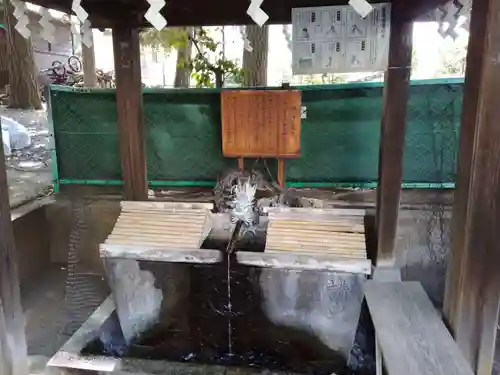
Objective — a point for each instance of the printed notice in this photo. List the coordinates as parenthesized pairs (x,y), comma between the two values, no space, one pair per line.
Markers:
(336,39)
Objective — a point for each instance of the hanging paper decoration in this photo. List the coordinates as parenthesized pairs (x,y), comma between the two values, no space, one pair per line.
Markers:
(362,7)
(22,18)
(85,29)
(246,42)
(448,17)
(256,13)
(247,45)
(48,29)
(154,16)
(86,34)
(80,13)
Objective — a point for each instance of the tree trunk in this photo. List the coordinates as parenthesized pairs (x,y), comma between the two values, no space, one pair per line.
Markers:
(24,93)
(4,69)
(255,62)
(88,62)
(219,78)
(182,72)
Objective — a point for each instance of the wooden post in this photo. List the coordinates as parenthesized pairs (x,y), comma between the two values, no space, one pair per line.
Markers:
(281,173)
(390,170)
(241,164)
(473,281)
(129,110)
(13,350)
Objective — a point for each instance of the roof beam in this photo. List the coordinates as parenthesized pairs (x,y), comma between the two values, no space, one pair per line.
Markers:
(111,13)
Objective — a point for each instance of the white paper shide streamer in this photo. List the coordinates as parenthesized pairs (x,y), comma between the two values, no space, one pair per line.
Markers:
(81,13)
(362,7)
(22,18)
(48,29)
(86,30)
(154,16)
(246,42)
(256,13)
(448,17)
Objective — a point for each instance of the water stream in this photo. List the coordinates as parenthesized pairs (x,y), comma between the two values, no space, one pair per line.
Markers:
(229,308)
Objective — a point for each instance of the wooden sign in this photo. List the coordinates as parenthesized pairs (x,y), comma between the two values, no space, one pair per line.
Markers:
(257,123)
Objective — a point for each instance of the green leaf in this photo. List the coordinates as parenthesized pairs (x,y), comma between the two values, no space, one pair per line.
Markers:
(168,38)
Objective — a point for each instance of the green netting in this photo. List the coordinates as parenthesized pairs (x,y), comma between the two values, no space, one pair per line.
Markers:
(340,136)
(184,136)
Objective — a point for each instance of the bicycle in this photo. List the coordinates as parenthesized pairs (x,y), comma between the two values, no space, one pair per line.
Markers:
(61,74)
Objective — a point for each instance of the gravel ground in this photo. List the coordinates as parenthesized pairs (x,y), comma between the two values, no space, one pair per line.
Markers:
(29,170)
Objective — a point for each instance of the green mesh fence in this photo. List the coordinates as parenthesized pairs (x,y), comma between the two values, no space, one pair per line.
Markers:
(340,136)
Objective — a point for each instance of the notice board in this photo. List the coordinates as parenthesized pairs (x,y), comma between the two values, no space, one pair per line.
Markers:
(257,123)
(336,39)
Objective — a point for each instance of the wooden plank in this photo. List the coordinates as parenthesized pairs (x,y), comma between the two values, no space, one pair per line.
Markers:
(314,211)
(390,170)
(148,224)
(327,235)
(129,112)
(157,212)
(315,233)
(13,353)
(160,253)
(301,261)
(167,205)
(318,230)
(148,218)
(135,222)
(317,254)
(258,123)
(412,337)
(318,222)
(473,281)
(355,252)
(315,245)
(121,229)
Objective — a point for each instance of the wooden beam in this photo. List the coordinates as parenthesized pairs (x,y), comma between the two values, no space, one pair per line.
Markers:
(13,350)
(390,170)
(411,334)
(109,13)
(129,110)
(473,282)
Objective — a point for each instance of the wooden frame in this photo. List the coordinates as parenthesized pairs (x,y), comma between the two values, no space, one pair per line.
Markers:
(110,13)
(13,349)
(472,295)
(390,170)
(473,282)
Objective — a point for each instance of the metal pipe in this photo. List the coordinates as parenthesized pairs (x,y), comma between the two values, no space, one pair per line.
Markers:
(290,184)
(69,181)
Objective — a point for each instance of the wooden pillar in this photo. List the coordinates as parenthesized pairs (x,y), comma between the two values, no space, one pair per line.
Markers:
(390,170)
(473,280)
(13,350)
(129,110)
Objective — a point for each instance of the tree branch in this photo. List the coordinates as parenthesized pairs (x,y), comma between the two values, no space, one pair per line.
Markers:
(195,43)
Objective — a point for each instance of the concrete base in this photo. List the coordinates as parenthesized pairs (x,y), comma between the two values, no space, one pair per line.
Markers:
(318,310)
(102,325)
